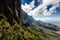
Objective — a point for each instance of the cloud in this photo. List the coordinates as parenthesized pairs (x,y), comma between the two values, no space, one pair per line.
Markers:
(49,20)
(42,8)
(44,19)
(27,7)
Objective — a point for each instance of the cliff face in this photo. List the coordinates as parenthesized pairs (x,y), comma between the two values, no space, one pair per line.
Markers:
(26,18)
(11,9)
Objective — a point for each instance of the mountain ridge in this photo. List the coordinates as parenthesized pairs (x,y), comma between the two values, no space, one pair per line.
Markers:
(30,19)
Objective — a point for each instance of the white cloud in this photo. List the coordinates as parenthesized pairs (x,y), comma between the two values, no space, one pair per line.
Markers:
(42,8)
(27,7)
(48,19)
(43,19)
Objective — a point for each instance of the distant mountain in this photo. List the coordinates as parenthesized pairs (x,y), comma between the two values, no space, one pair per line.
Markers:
(26,19)
(48,25)
(30,20)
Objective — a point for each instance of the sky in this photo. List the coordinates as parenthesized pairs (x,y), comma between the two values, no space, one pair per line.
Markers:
(44,10)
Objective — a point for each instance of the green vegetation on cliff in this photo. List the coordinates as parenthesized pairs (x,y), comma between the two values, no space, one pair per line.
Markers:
(17,32)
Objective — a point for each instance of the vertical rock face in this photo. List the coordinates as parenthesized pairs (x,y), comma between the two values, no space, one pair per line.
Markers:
(11,9)
(26,19)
